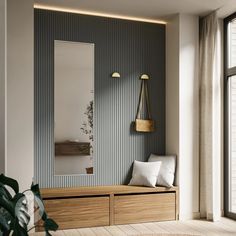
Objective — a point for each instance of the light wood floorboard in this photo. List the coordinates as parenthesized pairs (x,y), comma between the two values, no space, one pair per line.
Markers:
(155,227)
(86,232)
(224,227)
(72,232)
(128,230)
(115,231)
(101,231)
(142,229)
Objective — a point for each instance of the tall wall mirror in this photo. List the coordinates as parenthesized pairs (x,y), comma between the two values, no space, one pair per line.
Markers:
(73,107)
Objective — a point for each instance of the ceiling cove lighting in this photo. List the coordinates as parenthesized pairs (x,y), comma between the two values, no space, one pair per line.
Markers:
(91,13)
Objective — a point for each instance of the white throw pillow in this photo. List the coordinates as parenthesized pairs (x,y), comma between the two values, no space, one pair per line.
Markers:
(145,174)
(167,171)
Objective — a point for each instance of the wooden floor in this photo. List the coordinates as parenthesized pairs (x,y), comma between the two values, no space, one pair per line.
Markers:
(224,227)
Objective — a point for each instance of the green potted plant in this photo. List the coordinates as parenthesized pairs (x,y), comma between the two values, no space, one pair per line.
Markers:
(15,214)
(87,129)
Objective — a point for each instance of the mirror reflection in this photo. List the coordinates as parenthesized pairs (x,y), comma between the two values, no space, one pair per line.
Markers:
(73,107)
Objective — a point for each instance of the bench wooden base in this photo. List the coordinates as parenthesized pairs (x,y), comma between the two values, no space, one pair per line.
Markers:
(109,205)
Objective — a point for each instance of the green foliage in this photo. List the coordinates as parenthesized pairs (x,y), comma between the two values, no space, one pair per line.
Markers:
(87,127)
(9,182)
(14,217)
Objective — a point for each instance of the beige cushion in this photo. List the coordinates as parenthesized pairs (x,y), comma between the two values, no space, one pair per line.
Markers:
(145,173)
(166,175)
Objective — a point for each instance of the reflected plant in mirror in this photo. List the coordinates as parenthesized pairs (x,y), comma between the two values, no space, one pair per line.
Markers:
(74,107)
(87,128)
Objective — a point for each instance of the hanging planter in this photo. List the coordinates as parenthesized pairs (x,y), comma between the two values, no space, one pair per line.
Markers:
(144,124)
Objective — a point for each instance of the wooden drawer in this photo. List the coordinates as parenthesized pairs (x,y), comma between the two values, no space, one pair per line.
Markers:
(79,212)
(144,208)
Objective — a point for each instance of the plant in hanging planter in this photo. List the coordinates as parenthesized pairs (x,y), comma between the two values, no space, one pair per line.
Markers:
(18,210)
(87,127)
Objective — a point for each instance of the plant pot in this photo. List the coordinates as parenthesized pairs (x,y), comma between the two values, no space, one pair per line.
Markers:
(89,170)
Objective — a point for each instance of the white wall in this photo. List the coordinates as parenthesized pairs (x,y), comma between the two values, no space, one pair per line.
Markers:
(2,83)
(19,153)
(182,108)
(189,117)
(172,85)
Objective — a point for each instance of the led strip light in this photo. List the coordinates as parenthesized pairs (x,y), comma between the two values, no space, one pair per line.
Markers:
(91,13)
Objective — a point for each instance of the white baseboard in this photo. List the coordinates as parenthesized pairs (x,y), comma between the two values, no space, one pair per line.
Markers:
(222,213)
(190,216)
(196,215)
(216,217)
(209,216)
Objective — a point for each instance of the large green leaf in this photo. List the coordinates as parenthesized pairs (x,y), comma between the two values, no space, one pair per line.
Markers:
(50,224)
(9,182)
(17,197)
(5,220)
(17,201)
(19,204)
(16,218)
(18,230)
(5,233)
(7,205)
(4,191)
(21,210)
(47,233)
(44,216)
(35,190)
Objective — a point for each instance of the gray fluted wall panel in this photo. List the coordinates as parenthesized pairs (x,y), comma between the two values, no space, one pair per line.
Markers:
(132,48)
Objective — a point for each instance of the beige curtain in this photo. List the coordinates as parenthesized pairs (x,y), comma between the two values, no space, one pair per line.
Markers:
(210,117)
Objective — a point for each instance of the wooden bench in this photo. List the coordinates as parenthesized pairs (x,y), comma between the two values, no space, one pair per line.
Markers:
(110,205)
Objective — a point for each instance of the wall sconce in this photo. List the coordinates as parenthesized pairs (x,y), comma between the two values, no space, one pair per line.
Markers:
(144,76)
(115,75)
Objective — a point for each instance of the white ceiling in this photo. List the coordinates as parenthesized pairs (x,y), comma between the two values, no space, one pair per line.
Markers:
(150,9)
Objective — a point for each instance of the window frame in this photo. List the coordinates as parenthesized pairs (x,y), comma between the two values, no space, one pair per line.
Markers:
(228,72)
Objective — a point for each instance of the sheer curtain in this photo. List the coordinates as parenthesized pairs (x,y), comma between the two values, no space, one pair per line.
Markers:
(210,117)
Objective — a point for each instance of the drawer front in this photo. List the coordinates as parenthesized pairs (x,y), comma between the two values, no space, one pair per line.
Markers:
(79,212)
(144,208)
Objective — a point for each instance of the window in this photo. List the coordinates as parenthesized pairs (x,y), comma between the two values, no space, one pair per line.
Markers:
(230,116)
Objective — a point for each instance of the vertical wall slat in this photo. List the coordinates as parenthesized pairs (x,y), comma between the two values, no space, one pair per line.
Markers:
(132,48)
